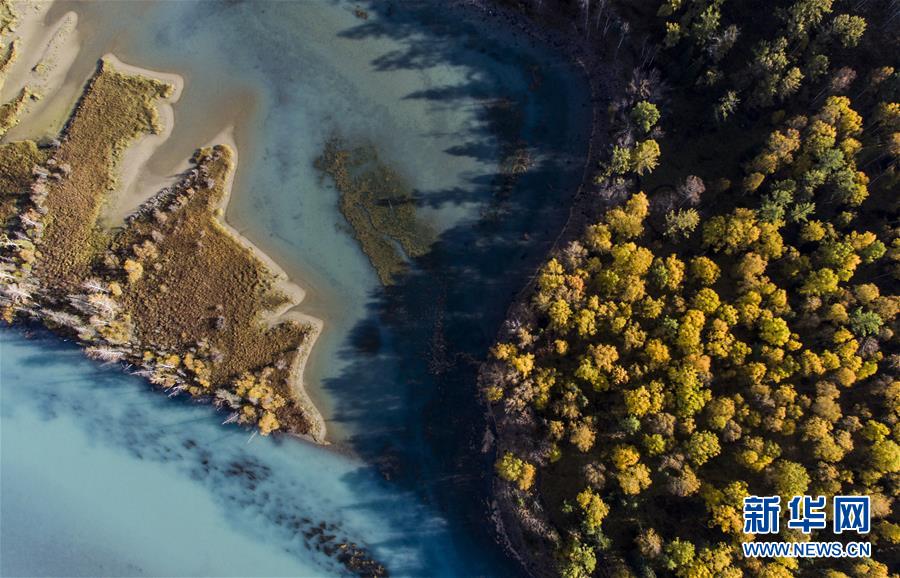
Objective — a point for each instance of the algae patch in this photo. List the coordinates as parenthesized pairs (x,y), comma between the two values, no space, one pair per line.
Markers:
(379,205)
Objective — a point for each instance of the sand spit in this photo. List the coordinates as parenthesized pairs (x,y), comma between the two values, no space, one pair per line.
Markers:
(136,185)
(286,312)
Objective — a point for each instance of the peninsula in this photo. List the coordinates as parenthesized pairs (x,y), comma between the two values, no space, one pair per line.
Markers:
(175,294)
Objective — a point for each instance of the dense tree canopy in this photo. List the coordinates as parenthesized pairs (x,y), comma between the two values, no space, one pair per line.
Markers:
(695,347)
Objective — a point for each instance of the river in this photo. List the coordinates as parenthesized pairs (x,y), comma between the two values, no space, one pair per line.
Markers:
(103,476)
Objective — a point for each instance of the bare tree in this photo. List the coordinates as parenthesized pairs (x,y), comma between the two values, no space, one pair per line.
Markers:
(691,190)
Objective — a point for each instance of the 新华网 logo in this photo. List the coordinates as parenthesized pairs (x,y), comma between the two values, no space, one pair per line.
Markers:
(762,516)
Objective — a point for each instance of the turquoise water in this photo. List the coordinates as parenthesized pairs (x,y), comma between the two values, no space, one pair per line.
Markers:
(107,477)
(102,476)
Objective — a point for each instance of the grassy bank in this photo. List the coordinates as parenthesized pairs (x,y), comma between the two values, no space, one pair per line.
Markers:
(175,292)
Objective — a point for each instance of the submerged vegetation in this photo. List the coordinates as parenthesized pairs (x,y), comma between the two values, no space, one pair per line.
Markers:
(174,294)
(379,206)
(505,118)
(733,331)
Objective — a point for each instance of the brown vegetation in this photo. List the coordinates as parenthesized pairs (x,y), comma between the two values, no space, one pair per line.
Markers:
(378,204)
(115,110)
(174,293)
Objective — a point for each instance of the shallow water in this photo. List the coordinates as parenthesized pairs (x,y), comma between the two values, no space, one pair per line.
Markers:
(394,370)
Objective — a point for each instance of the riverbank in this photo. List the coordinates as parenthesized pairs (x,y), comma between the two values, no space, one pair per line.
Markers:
(43,53)
(519,524)
(130,192)
(287,311)
(34,58)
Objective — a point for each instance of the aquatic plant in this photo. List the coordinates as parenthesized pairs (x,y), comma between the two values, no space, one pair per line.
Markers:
(379,205)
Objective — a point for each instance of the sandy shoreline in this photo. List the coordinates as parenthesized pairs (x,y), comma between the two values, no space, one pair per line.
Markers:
(135,185)
(42,43)
(45,52)
(286,312)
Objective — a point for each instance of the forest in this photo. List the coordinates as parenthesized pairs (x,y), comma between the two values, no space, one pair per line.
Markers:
(727,327)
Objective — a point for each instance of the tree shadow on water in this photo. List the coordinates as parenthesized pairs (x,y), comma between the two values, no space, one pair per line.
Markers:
(409,386)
